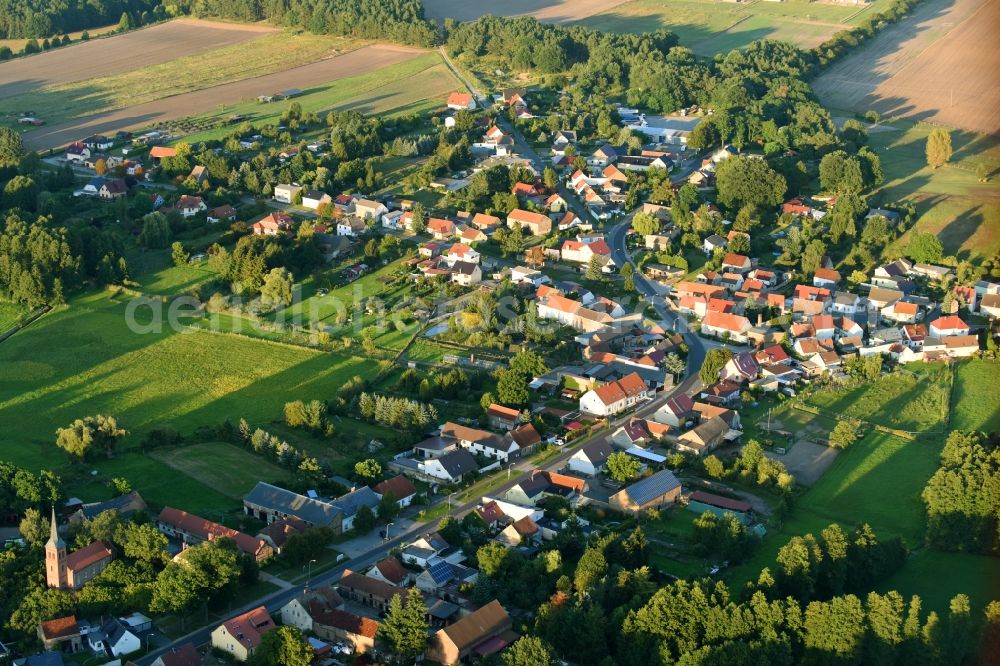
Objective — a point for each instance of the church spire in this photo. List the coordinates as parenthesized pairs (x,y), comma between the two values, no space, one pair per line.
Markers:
(54,539)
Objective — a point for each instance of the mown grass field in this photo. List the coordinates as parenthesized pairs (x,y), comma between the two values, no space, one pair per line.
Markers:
(878,480)
(951,203)
(17,45)
(93,363)
(256,57)
(226,468)
(711,27)
(914,398)
(414,86)
(976,396)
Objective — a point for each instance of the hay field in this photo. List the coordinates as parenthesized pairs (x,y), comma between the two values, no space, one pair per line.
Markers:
(550,11)
(195,102)
(714,26)
(132,50)
(940,65)
(263,55)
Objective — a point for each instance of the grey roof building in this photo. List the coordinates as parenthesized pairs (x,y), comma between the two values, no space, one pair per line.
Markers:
(652,492)
(270,503)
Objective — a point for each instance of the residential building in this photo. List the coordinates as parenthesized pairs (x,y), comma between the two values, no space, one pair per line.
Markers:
(450,467)
(615,396)
(183,655)
(189,206)
(400,487)
(459,101)
(481,442)
(286,193)
(725,325)
(313,199)
(589,459)
(241,635)
(536,223)
(273,224)
(367,590)
(482,632)
(945,326)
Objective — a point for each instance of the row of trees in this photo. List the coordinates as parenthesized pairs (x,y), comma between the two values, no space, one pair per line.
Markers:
(43,18)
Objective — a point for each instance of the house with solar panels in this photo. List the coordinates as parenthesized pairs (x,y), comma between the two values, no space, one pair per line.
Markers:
(441,573)
(653,492)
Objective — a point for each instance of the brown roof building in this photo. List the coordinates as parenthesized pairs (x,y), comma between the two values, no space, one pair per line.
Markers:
(192,529)
(483,632)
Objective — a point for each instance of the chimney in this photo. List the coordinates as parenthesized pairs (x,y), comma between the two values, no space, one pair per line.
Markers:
(760,318)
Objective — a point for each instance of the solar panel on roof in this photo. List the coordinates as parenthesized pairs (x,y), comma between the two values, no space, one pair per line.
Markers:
(652,487)
(441,572)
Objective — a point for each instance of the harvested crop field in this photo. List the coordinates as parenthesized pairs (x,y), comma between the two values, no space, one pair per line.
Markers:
(356,62)
(550,11)
(939,65)
(103,57)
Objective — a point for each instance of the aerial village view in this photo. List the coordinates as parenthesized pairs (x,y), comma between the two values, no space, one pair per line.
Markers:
(525,333)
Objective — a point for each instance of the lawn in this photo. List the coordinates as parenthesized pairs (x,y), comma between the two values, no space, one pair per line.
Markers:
(93,363)
(915,399)
(716,27)
(225,468)
(976,396)
(10,314)
(877,480)
(256,57)
(938,576)
(160,485)
(414,86)
(951,203)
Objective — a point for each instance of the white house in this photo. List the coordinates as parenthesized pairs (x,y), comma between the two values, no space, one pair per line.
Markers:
(313,199)
(114,639)
(368,209)
(189,206)
(589,459)
(461,252)
(458,101)
(466,273)
(351,226)
(721,324)
(286,193)
(944,326)
(451,467)
(615,396)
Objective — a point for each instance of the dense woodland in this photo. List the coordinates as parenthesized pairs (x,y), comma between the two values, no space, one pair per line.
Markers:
(44,18)
(395,20)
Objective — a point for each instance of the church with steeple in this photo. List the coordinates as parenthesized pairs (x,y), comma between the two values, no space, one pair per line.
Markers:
(71,570)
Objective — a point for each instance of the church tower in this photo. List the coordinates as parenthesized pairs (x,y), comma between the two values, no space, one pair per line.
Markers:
(55,557)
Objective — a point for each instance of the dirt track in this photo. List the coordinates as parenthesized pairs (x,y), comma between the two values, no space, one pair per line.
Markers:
(940,65)
(101,57)
(200,101)
(550,11)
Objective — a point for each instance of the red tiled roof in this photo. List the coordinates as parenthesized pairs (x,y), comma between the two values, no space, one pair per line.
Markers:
(249,628)
(208,530)
(83,558)
(400,487)
(951,322)
(525,436)
(348,622)
(501,412)
(392,570)
(459,99)
(60,627)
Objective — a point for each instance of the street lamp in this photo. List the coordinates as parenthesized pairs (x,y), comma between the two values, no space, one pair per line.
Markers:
(387,527)
(449,500)
(310,573)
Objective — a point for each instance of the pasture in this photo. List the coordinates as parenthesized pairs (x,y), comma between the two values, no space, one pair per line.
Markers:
(977,576)
(226,468)
(931,66)
(132,50)
(94,363)
(914,398)
(713,26)
(950,201)
(976,396)
(265,54)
